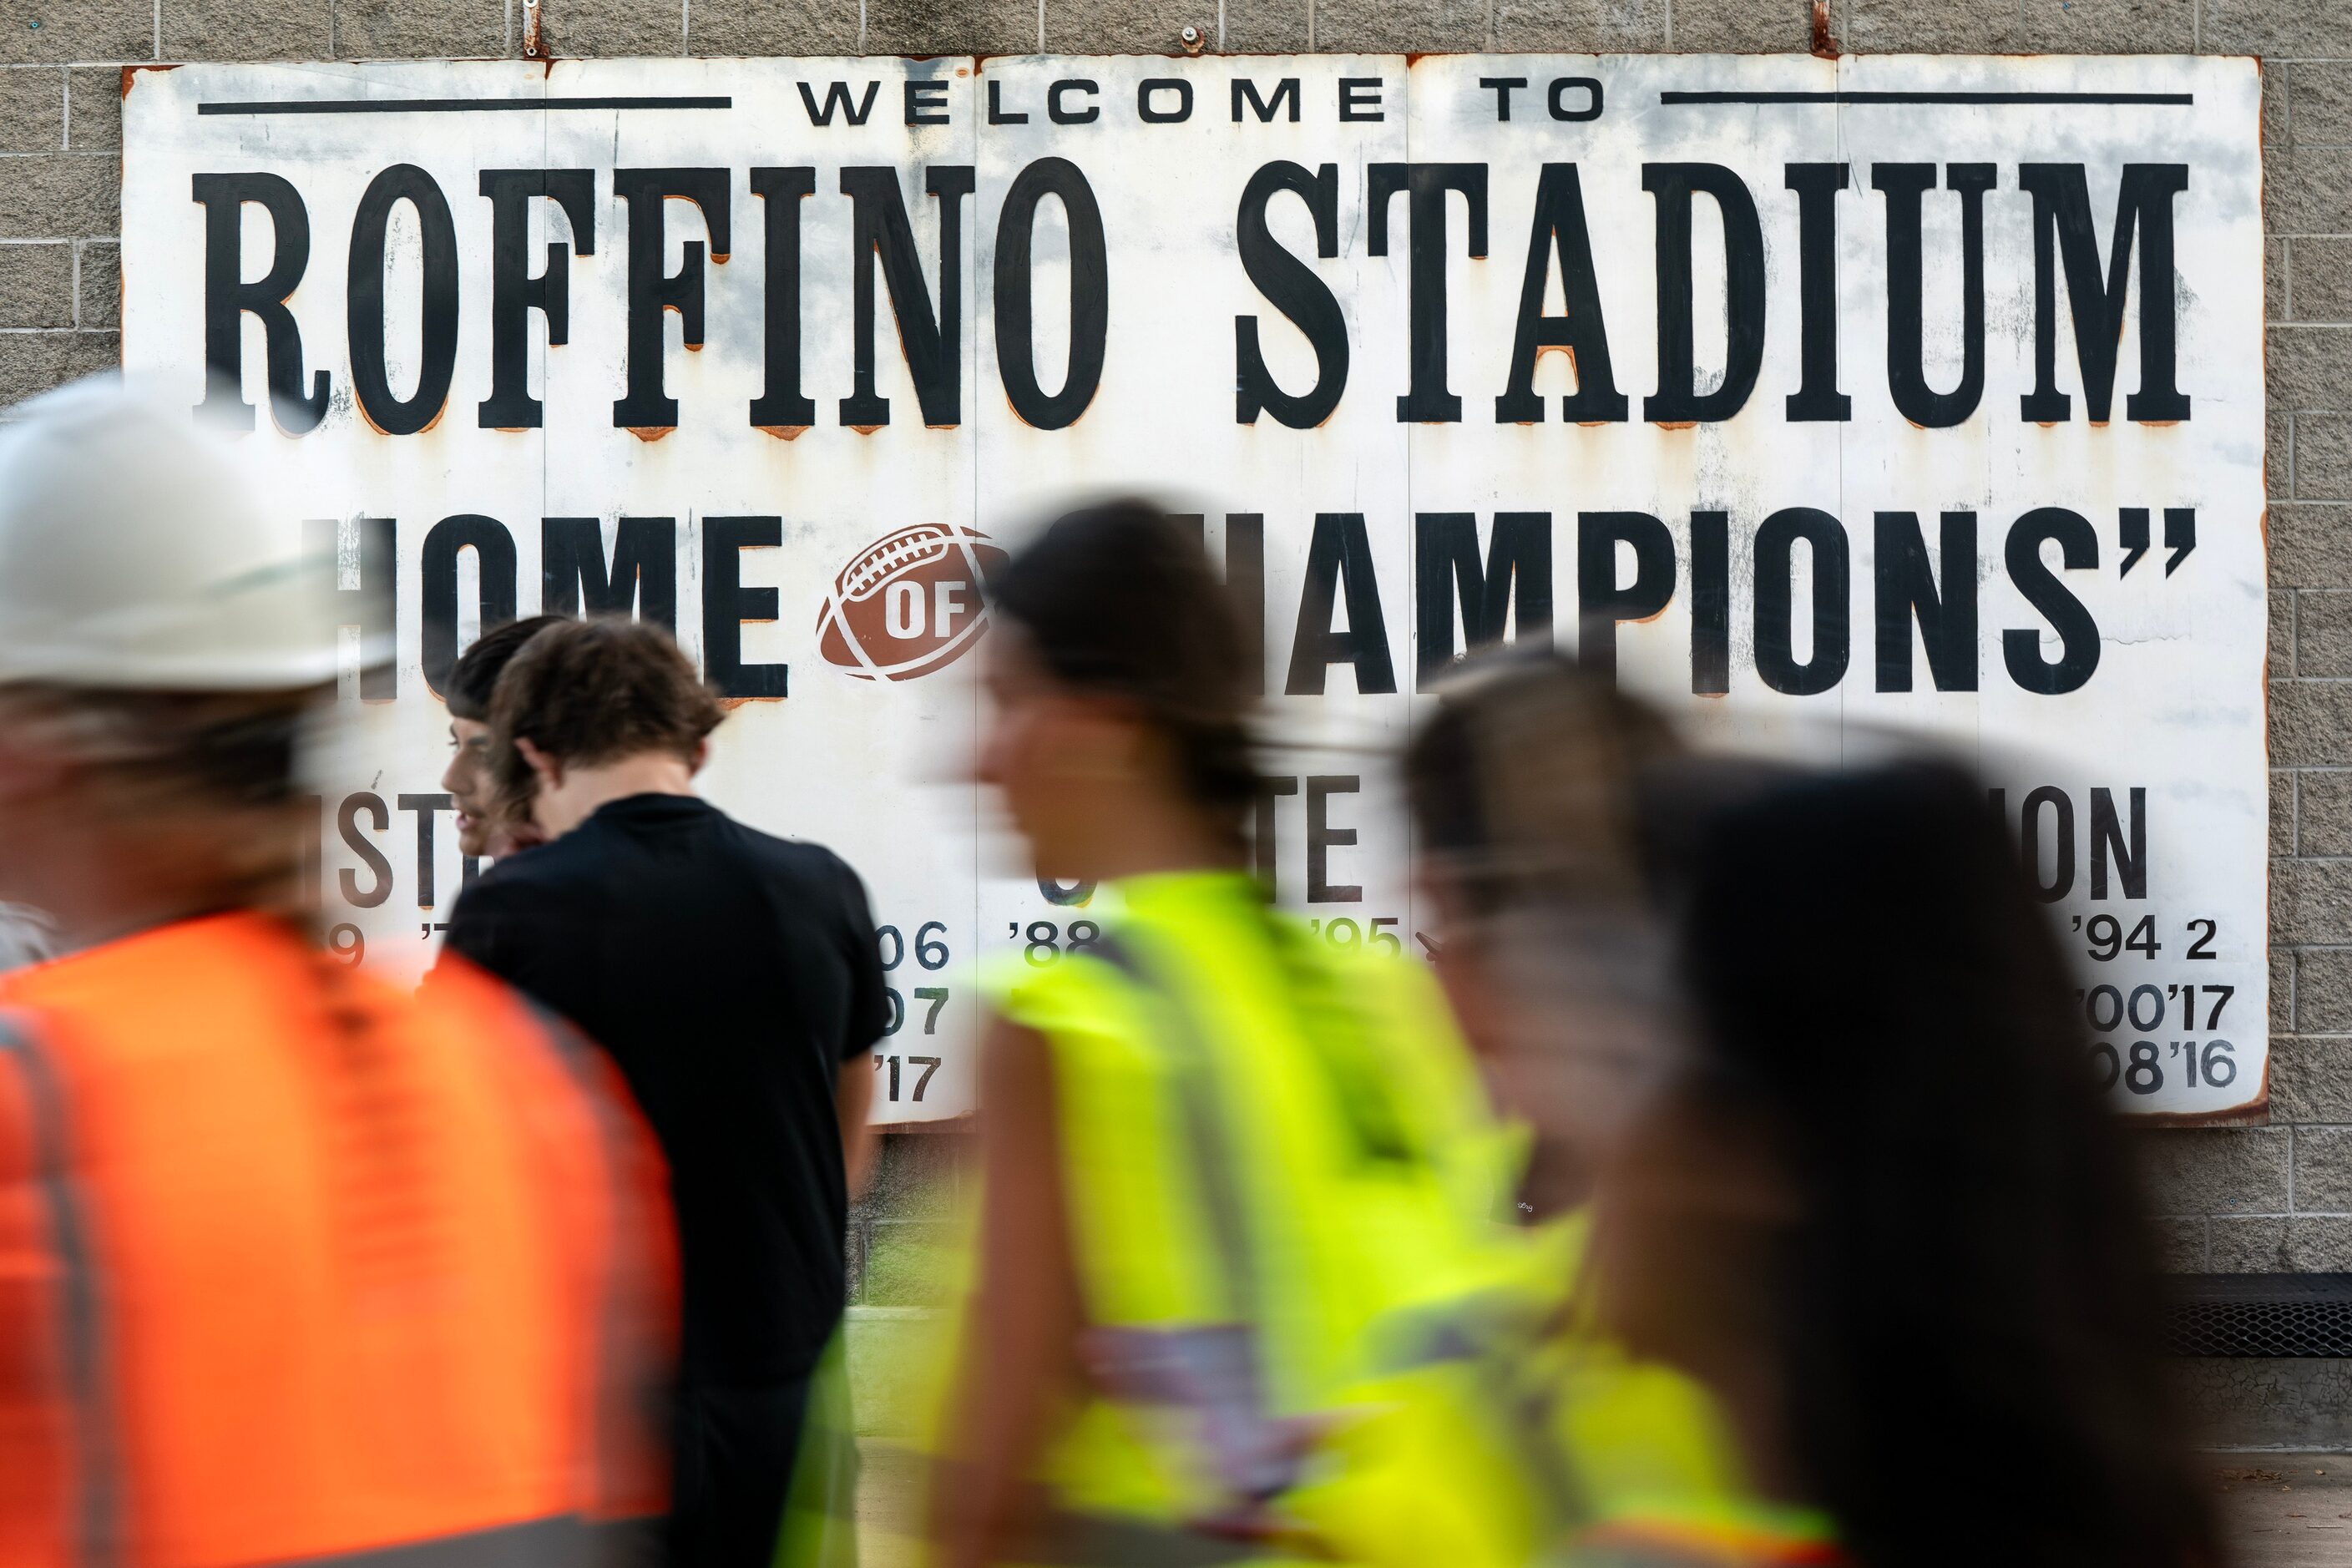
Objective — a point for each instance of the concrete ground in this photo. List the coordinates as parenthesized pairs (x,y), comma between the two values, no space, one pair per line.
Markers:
(2286,1510)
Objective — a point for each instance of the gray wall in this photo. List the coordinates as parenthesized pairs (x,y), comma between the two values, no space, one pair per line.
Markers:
(2256,1198)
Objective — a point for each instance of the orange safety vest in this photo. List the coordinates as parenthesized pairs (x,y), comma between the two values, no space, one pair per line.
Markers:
(295,1268)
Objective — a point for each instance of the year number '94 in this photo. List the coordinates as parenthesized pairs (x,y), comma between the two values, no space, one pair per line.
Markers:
(2104,937)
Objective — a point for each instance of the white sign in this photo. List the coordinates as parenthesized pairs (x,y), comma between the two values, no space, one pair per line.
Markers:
(1920,393)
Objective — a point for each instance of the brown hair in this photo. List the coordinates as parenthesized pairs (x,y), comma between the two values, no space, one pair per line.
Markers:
(208,782)
(473,680)
(1117,599)
(1524,785)
(595,692)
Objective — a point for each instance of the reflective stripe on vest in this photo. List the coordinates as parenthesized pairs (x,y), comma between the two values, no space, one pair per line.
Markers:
(1217,1369)
(544,1543)
(1505,1358)
(1205,1131)
(98,1523)
(1245,1132)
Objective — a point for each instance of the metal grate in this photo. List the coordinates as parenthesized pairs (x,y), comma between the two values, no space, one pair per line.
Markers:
(2259,1315)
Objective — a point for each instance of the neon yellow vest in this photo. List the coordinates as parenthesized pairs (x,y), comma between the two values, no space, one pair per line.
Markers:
(1610,1454)
(1258,1132)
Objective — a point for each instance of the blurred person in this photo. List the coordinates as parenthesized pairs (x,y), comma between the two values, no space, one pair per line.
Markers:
(293,1266)
(737,981)
(1881,1210)
(1526,790)
(486,826)
(1211,1141)
(1546,805)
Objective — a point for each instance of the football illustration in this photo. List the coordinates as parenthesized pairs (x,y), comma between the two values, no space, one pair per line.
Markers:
(911,602)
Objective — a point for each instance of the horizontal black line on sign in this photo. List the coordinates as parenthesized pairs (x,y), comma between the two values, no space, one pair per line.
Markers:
(451,105)
(1957,98)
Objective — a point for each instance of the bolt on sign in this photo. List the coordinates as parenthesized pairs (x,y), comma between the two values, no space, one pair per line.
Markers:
(1823,400)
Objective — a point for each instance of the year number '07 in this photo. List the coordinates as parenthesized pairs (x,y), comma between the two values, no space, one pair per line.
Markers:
(930,951)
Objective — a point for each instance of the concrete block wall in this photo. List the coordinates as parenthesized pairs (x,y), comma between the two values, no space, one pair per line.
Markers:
(2257,1198)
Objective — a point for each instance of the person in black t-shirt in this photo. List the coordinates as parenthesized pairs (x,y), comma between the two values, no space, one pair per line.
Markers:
(736,980)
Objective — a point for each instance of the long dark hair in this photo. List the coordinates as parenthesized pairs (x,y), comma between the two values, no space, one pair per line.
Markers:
(1118,599)
(1964,1299)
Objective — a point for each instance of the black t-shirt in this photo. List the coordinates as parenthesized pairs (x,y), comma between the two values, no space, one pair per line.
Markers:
(729,974)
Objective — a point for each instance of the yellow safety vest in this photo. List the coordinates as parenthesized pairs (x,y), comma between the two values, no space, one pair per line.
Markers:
(1269,1145)
(1278,1160)
(1616,1458)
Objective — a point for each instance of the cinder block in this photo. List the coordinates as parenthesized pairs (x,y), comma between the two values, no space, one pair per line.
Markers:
(2323,1169)
(2324,812)
(1625,24)
(2281,31)
(80,31)
(1403,26)
(2281,811)
(1127,27)
(950,27)
(581,27)
(31,363)
(1264,27)
(1583,27)
(60,195)
(94,108)
(2108,27)
(2323,456)
(2274,268)
(2252,1245)
(2311,724)
(2318,1244)
(2180,1243)
(2288,1243)
(2278,451)
(2323,990)
(2311,901)
(2311,546)
(2323,280)
(1743,27)
(97,294)
(771,27)
(35,286)
(2282,634)
(2306,191)
(248,30)
(2311,1081)
(2284,989)
(2320,99)
(2310,367)
(32,108)
(2007,27)
(2216,1170)
(2323,633)
(424,29)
